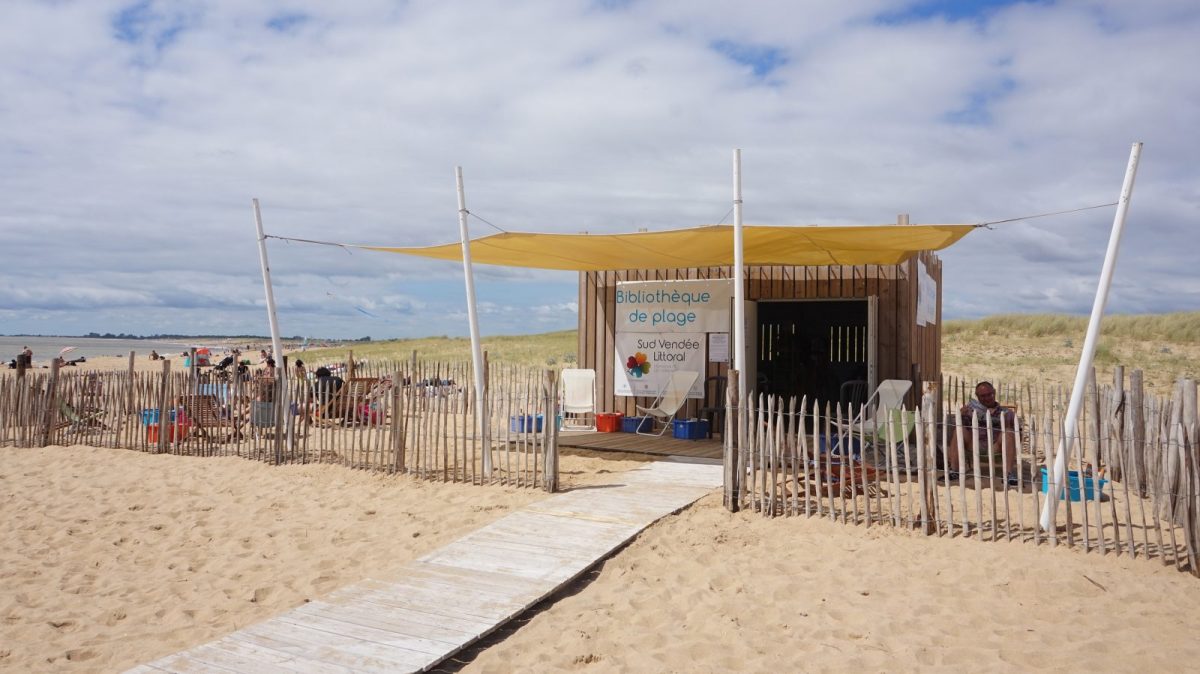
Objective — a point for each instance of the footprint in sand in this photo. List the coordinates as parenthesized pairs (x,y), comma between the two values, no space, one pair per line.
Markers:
(80,654)
(114,617)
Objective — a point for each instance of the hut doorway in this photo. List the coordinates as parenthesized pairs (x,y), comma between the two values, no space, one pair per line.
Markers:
(814,347)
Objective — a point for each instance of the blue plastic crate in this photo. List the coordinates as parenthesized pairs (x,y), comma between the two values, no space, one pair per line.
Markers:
(833,443)
(690,429)
(635,424)
(150,416)
(525,423)
(1090,483)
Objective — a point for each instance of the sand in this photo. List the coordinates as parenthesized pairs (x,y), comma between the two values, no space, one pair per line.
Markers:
(110,557)
(709,591)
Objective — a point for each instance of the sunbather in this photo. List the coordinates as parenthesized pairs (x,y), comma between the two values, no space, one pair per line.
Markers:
(1003,443)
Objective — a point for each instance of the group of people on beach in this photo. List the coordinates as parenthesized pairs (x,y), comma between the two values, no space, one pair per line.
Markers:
(24,360)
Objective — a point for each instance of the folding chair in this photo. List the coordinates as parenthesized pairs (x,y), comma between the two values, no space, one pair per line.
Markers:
(74,420)
(578,391)
(888,396)
(672,397)
(204,413)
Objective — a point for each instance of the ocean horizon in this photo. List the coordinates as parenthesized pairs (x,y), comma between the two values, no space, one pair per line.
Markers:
(46,349)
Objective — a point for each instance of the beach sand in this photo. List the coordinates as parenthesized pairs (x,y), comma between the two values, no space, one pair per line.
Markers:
(112,557)
(710,591)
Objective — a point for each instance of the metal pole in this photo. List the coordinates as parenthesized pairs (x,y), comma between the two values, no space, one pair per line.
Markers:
(739,290)
(1089,342)
(473,322)
(276,345)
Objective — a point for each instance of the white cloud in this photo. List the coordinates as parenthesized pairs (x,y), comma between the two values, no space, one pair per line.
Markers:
(130,147)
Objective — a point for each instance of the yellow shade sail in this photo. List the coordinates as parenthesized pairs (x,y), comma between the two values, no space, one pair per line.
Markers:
(707,246)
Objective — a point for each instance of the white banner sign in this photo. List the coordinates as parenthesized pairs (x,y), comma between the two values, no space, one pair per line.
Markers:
(673,306)
(926,296)
(645,361)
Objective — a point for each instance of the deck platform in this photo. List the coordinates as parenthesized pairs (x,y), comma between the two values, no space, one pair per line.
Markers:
(641,444)
(435,606)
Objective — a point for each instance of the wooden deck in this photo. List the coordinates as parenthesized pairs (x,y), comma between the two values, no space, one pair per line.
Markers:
(641,444)
(437,605)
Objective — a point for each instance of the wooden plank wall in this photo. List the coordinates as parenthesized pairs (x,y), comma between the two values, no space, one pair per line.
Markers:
(904,349)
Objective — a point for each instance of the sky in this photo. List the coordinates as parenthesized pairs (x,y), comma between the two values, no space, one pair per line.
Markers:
(134,135)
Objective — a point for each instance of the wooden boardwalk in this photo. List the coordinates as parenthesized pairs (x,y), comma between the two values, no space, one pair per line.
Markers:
(437,605)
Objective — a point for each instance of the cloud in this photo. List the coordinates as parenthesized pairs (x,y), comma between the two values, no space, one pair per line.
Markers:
(134,134)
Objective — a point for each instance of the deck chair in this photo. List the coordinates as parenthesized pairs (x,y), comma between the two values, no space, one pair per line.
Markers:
(578,394)
(889,395)
(672,397)
(871,431)
(204,413)
(341,406)
(74,420)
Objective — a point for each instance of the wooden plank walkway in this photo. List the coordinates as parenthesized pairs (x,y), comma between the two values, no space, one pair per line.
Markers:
(439,604)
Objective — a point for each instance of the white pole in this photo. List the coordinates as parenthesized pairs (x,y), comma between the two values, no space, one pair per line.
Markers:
(276,345)
(473,322)
(739,289)
(1089,342)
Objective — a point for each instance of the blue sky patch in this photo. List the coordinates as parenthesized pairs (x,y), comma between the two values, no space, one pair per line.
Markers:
(284,23)
(761,59)
(130,23)
(977,111)
(950,10)
(140,23)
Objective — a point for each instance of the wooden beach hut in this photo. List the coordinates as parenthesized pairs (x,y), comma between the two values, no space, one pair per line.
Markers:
(831,332)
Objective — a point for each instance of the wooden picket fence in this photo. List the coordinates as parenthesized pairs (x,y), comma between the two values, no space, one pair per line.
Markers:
(1137,453)
(411,417)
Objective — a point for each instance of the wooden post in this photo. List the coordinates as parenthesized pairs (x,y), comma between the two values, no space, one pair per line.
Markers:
(162,406)
(733,476)
(550,430)
(350,367)
(50,409)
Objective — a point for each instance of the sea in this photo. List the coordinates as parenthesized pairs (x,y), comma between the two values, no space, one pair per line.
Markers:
(46,349)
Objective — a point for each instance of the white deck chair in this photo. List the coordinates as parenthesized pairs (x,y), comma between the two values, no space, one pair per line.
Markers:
(886,402)
(888,396)
(578,387)
(670,399)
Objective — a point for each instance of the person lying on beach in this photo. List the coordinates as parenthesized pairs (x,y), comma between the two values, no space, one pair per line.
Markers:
(979,410)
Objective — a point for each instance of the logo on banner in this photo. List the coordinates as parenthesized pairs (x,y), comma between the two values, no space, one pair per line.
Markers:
(644,361)
(637,365)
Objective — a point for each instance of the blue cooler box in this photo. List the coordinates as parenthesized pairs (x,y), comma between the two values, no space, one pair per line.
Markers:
(690,429)
(1092,487)
(635,424)
(525,423)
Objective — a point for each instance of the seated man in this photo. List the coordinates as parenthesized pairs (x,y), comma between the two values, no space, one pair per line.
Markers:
(1003,443)
(326,384)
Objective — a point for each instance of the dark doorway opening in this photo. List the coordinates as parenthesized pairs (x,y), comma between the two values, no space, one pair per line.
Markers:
(812,348)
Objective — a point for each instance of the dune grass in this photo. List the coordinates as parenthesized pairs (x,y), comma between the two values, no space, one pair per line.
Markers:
(1178,328)
(550,349)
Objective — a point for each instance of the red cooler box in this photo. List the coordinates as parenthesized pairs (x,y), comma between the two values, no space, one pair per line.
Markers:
(609,422)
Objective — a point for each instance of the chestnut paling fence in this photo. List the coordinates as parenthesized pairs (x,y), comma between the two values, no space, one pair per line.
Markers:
(412,417)
(1132,484)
